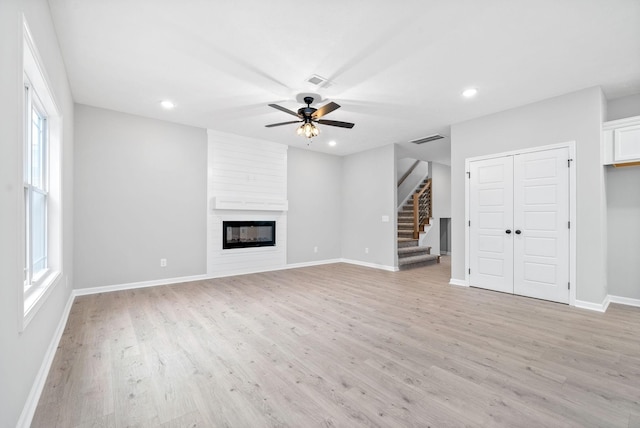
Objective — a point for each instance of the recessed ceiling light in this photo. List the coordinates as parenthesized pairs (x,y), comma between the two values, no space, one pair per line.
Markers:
(469,93)
(167,104)
(332,143)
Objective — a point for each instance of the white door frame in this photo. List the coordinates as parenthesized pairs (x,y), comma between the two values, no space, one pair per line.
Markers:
(570,145)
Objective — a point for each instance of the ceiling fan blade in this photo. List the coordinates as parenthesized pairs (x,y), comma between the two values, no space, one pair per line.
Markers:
(337,123)
(286,110)
(325,109)
(282,123)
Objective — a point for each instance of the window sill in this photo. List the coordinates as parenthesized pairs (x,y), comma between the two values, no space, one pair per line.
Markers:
(38,295)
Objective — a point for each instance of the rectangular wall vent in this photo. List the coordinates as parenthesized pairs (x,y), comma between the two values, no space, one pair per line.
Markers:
(427,139)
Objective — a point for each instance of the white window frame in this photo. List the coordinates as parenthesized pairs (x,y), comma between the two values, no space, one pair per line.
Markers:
(37,286)
(34,279)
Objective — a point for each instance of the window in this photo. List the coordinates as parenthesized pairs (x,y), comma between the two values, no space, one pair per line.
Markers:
(35,190)
(41,174)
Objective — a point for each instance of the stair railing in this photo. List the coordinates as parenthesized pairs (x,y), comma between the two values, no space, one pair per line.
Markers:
(409,171)
(421,209)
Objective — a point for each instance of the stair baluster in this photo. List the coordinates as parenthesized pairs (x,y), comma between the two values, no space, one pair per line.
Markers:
(421,209)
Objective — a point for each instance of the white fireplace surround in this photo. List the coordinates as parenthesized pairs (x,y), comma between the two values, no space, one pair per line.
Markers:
(247,181)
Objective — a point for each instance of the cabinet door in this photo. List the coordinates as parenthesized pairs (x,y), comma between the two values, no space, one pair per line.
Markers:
(491,216)
(541,215)
(626,143)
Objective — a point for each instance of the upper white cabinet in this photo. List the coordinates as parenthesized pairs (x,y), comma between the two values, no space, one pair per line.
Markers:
(621,141)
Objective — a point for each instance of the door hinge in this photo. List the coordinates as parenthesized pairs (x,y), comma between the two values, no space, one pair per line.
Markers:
(569,162)
(568,225)
(469,271)
(469,174)
(469,223)
(568,286)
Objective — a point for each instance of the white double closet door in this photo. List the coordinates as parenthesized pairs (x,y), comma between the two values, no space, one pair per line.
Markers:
(519,224)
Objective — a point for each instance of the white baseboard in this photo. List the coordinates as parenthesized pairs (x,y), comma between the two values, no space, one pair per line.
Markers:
(598,307)
(370,265)
(314,263)
(30,405)
(141,284)
(458,282)
(624,300)
(177,280)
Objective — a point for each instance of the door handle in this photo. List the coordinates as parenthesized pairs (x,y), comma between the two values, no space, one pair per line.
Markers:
(508,231)
(518,232)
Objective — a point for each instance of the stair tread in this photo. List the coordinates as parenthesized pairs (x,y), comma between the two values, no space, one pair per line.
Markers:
(417,259)
(410,250)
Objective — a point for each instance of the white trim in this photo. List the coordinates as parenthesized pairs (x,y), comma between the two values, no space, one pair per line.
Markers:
(613,124)
(624,300)
(458,282)
(598,307)
(573,242)
(141,284)
(370,265)
(30,405)
(42,80)
(520,151)
(178,280)
(37,297)
(467,217)
(571,146)
(314,263)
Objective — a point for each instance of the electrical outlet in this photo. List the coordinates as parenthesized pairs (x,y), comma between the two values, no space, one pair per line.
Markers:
(366,250)
(315,249)
(163,262)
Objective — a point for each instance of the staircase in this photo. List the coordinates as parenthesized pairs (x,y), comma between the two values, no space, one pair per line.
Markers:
(410,254)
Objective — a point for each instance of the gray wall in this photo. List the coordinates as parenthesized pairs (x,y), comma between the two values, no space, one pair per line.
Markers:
(623,107)
(441,182)
(314,191)
(573,117)
(368,193)
(140,196)
(21,355)
(623,212)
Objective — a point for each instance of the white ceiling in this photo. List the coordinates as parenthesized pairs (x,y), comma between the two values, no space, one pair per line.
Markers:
(397,67)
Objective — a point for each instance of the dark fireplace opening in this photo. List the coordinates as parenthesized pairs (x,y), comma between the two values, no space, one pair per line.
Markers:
(243,234)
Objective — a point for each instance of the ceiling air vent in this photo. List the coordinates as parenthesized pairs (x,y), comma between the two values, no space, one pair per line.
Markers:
(427,139)
(319,81)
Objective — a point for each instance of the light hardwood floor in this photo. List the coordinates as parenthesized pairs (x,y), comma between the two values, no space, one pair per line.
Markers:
(341,346)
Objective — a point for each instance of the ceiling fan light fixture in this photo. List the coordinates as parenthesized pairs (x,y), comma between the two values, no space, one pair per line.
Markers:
(308,115)
(308,130)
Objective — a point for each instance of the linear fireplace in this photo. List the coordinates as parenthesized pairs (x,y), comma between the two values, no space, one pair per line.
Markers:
(243,234)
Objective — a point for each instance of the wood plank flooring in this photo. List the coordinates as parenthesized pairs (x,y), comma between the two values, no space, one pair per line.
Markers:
(341,346)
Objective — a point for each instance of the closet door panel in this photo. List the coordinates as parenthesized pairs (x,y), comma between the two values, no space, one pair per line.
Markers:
(541,215)
(491,216)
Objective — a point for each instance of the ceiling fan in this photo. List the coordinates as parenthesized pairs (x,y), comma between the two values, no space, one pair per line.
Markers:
(308,116)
